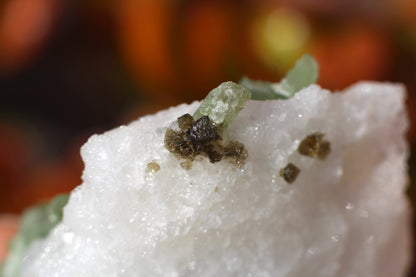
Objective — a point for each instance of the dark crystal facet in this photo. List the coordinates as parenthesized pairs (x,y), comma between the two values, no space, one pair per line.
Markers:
(202,131)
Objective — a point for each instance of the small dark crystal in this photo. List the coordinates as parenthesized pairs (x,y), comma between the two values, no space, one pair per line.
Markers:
(202,131)
(152,167)
(215,152)
(235,151)
(234,148)
(185,121)
(290,172)
(178,143)
(187,164)
(315,146)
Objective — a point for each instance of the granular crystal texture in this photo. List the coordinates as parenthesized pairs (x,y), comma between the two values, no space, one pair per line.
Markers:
(344,216)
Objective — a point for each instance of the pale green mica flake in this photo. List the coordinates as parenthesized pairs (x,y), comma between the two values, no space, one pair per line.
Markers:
(303,74)
(223,104)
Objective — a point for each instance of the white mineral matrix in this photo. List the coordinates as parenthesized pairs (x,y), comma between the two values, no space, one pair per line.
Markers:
(139,213)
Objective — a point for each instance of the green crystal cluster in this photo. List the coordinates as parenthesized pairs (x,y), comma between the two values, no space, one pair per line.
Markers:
(36,223)
(224,102)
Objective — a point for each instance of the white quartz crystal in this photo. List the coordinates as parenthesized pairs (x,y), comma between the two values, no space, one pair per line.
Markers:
(343,216)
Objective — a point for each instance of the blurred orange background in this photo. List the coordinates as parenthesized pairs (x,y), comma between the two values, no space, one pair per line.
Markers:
(69,69)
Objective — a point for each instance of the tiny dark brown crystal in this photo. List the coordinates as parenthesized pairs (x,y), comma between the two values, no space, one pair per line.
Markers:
(186,164)
(185,121)
(290,172)
(202,131)
(152,168)
(215,152)
(315,146)
(178,143)
(236,152)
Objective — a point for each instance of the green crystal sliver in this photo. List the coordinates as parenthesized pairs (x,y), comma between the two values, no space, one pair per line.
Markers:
(35,223)
(260,90)
(304,73)
(223,104)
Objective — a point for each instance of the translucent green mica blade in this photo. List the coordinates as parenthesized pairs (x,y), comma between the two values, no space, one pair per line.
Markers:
(303,74)
(223,103)
(260,90)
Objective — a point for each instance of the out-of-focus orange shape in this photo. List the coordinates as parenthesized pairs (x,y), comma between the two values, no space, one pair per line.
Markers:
(8,227)
(355,53)
(407,12)
(145,32)
(26,177)
(46,181)
(175,49)
(49,178)
(24,26)
(207,42)
(17,152)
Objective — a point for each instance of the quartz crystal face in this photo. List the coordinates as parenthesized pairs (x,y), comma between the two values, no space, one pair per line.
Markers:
(142,212)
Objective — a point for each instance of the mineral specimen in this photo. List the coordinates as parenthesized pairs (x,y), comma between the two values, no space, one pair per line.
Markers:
(346,216)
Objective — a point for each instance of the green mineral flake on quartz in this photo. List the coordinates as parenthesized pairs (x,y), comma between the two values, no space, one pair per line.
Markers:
(303,74)
(36,223)
(223,104)
(261,90)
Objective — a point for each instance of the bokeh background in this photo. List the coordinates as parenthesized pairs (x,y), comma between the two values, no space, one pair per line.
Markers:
(71,68)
